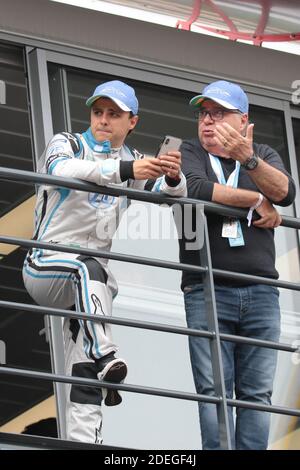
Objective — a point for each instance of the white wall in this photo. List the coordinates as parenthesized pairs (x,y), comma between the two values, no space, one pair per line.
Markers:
(162,359)
(155,359)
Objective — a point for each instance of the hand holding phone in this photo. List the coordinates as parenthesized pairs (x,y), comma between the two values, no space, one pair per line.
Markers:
(168,144)
(171,164)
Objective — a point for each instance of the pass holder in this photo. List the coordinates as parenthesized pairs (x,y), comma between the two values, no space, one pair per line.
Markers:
(233,231)
(230,228)
(253,208)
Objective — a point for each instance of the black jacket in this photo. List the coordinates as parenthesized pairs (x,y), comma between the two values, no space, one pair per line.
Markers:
(257,257)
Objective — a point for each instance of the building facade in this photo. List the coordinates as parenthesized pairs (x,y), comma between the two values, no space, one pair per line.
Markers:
(51,57)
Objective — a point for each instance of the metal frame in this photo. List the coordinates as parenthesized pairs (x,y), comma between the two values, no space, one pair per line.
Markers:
(39,99)
(25,442)
(60,106)
(215,342)
(61,53)
(159,74)
(37,63)
(293,159)
(149,390)
(42,132)
(2,92)
(213,332)
(295,113)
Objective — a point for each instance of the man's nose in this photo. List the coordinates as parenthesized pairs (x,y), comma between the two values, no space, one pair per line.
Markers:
(207,117)
(104,118)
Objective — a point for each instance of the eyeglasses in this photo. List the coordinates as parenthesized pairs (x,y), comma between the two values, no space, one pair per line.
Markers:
(214,114)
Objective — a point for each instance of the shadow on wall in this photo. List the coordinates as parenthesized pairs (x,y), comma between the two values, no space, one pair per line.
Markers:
(45,427)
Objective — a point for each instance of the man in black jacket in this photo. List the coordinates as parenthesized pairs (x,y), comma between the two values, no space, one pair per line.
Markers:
(224,165)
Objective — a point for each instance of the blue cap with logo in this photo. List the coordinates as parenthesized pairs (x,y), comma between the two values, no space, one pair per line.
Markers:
(227,94)
(119,92)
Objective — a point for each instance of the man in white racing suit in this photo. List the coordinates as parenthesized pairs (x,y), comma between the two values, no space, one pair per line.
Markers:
(89,220)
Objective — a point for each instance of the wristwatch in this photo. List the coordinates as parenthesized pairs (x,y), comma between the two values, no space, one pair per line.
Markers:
(251,163)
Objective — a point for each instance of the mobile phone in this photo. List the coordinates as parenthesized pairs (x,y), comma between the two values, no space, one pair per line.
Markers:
(168,144)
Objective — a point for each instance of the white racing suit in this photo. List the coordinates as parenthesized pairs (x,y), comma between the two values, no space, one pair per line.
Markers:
(72,281)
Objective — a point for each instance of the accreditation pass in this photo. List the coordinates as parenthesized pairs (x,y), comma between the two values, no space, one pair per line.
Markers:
(230,228)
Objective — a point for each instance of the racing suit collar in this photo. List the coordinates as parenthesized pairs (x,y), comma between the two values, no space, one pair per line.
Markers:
(98,147)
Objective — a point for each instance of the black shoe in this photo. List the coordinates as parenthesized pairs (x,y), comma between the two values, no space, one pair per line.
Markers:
(113,370)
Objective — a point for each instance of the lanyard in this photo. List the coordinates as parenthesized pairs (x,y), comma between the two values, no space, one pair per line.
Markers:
(231,227)
(217,167)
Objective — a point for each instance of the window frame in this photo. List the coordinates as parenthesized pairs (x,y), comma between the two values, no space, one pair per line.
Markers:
(147,72)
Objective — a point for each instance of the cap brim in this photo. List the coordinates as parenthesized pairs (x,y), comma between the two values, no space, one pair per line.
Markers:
(197,101)
(119,103)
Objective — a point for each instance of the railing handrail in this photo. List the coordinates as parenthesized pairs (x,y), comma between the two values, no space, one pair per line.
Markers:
(148,261)
(51,443)
(31,177)
(147,390)
(213,334)
(181,330)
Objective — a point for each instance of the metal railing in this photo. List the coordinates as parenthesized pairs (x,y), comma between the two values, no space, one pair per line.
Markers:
(205,269)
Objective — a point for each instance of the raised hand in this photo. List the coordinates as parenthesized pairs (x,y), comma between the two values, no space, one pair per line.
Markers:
(235,145)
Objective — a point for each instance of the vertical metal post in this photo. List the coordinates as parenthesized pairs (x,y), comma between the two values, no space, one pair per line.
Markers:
(293,157)
(61,119)
(2,352)
(212,323)
(42,128)
(2,92)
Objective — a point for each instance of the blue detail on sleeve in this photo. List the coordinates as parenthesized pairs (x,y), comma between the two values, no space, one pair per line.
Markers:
(108,166)
(55,162)
(157,185)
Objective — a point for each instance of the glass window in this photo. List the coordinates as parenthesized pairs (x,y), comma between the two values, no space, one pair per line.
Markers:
(269,128)
(296,129)
(162,110)
(21,341)
(15,135)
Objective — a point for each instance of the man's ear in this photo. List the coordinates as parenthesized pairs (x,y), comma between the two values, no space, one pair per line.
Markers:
(133,122)
(244,124)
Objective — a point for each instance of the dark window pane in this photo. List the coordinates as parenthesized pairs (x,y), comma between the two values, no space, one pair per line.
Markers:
(162,110)
(20,330)
(269,128)
(296,129)
(15,134)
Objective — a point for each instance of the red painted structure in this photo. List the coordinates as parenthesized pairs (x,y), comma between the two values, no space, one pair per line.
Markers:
(257,37)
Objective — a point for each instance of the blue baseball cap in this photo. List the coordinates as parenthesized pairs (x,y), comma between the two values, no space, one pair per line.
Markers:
(227,94)
(119,92)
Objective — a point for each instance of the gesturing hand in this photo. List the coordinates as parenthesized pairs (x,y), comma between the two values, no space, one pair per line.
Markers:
(147,168)
(235,145)
(171,164)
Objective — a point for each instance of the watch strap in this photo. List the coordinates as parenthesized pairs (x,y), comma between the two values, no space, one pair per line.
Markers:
(251,163)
